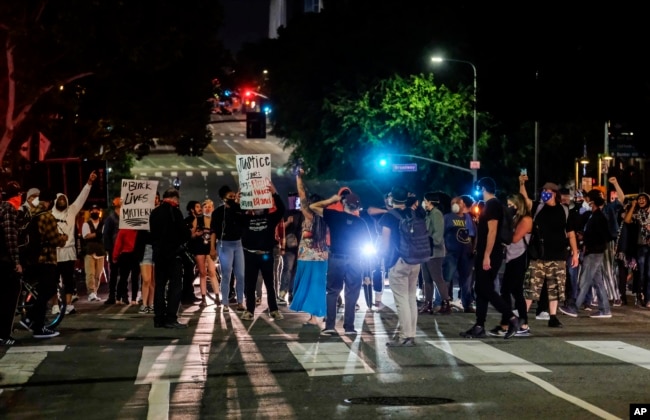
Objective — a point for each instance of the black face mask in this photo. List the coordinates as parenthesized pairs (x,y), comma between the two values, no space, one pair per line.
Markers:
(230,202)
(94,216)
(60,207)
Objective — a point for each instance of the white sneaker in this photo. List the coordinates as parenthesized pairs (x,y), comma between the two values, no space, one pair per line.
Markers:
(70,310)
(55,310)
(543,316)
(93,297)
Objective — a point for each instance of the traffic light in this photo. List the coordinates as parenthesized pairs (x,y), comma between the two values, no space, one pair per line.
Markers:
(255,125)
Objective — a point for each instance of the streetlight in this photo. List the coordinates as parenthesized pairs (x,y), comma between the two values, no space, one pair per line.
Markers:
(582,161)
(474,151)
(603,165)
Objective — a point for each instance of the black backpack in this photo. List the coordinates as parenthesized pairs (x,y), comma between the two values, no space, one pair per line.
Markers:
(414,244)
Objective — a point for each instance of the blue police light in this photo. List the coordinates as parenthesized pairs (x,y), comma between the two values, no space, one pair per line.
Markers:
(383,162)
(226,92)
(266,109)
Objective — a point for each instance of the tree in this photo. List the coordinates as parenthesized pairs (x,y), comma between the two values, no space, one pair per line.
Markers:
(105,76)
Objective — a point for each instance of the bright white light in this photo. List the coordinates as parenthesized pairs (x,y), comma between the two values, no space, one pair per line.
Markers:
(437,59)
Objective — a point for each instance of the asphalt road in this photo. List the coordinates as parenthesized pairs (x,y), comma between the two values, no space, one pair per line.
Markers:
(111,363)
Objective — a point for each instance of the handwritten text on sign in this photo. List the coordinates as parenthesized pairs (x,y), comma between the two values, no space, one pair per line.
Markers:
(254,180)
(138,197)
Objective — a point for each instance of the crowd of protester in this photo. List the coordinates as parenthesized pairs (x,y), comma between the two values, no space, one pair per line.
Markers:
(314,256)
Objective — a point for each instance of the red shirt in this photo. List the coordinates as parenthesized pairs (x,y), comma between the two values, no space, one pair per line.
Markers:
(125,242)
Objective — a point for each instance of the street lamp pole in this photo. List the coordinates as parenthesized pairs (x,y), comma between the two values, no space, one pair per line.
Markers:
(474,150)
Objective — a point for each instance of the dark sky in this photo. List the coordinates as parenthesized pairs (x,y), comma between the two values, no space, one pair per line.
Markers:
(244,21)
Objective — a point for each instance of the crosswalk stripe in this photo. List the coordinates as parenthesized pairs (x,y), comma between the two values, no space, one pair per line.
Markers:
(20,363)
(175,363)
(618,350)
(485,357)
(329,359)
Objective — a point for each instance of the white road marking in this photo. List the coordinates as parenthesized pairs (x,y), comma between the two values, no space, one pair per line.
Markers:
(618,350)
(20,363)
(492,360)
(158,174)
(329,359)
(173,173)
(207,162)
(227,143)
(486,357)
(159,401)
(189,173)
(174,363)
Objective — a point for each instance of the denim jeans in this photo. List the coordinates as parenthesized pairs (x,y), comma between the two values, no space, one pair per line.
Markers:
(593,274)
(459,265)
(343,270)
(231,257)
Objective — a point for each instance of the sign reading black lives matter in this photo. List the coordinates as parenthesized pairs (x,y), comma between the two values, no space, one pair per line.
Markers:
(254,179)
(138,199)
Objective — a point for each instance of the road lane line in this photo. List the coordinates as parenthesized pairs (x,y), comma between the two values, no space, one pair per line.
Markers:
(486,357)
(19,364)
(329,359)
(207,162)
(227,143)
(492,360)
(553,390)
(618,350)
(159,401)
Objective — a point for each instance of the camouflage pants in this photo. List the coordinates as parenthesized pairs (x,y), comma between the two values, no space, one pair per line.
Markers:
(551,272)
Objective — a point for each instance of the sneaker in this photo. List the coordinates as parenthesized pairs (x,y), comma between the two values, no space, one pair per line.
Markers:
(69,310)
(523,332)
(225,309)
(240,308)
(281,301)
(92,297)
(56,310)
(497,331)
(247,316)
(599,314)
(586,307)
(277,315)
(26,324)
(543,316)
(74,298)
(329,332)
(554,323)
(144,309)
(45,333)
(617,303)
(407,342)
(513,327)
(110,301)
(351,332)
(475,332)
(568,311)
(150,309)
(8,341)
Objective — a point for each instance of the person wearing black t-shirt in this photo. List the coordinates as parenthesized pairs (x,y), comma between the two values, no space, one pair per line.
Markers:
(349,234)
(489,256)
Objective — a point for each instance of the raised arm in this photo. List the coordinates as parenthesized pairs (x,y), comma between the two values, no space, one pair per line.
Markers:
(523,192)
(620,196)
(320,205)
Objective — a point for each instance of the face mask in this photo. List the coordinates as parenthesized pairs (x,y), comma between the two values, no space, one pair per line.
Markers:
(546,196)
(389,202)
(424,206)
(207,214)
(35,202)
(455,208)
(586,205)
(94,216)
(60,207)
(230,201)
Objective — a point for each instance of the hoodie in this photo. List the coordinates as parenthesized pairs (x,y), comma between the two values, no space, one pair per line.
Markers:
(66,223)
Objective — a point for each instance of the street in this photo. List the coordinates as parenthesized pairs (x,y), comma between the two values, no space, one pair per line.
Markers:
(111,363)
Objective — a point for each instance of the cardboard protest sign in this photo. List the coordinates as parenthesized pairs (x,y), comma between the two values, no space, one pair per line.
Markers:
(138,198)
(254,179)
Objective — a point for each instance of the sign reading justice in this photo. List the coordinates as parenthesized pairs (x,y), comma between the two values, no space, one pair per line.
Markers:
(254,180)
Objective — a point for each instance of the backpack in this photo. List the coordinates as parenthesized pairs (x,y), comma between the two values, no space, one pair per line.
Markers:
(414,245)
(29,240)
(506,227)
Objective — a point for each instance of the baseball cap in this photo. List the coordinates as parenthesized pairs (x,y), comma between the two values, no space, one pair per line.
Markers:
(400,194)
(352,200)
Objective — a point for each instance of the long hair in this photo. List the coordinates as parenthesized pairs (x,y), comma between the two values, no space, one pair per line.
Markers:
(318,226)
(522,209)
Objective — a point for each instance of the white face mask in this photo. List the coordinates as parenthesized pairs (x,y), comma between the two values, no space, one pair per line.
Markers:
(35,202)
(424,206)
(586,205)
(455,208)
